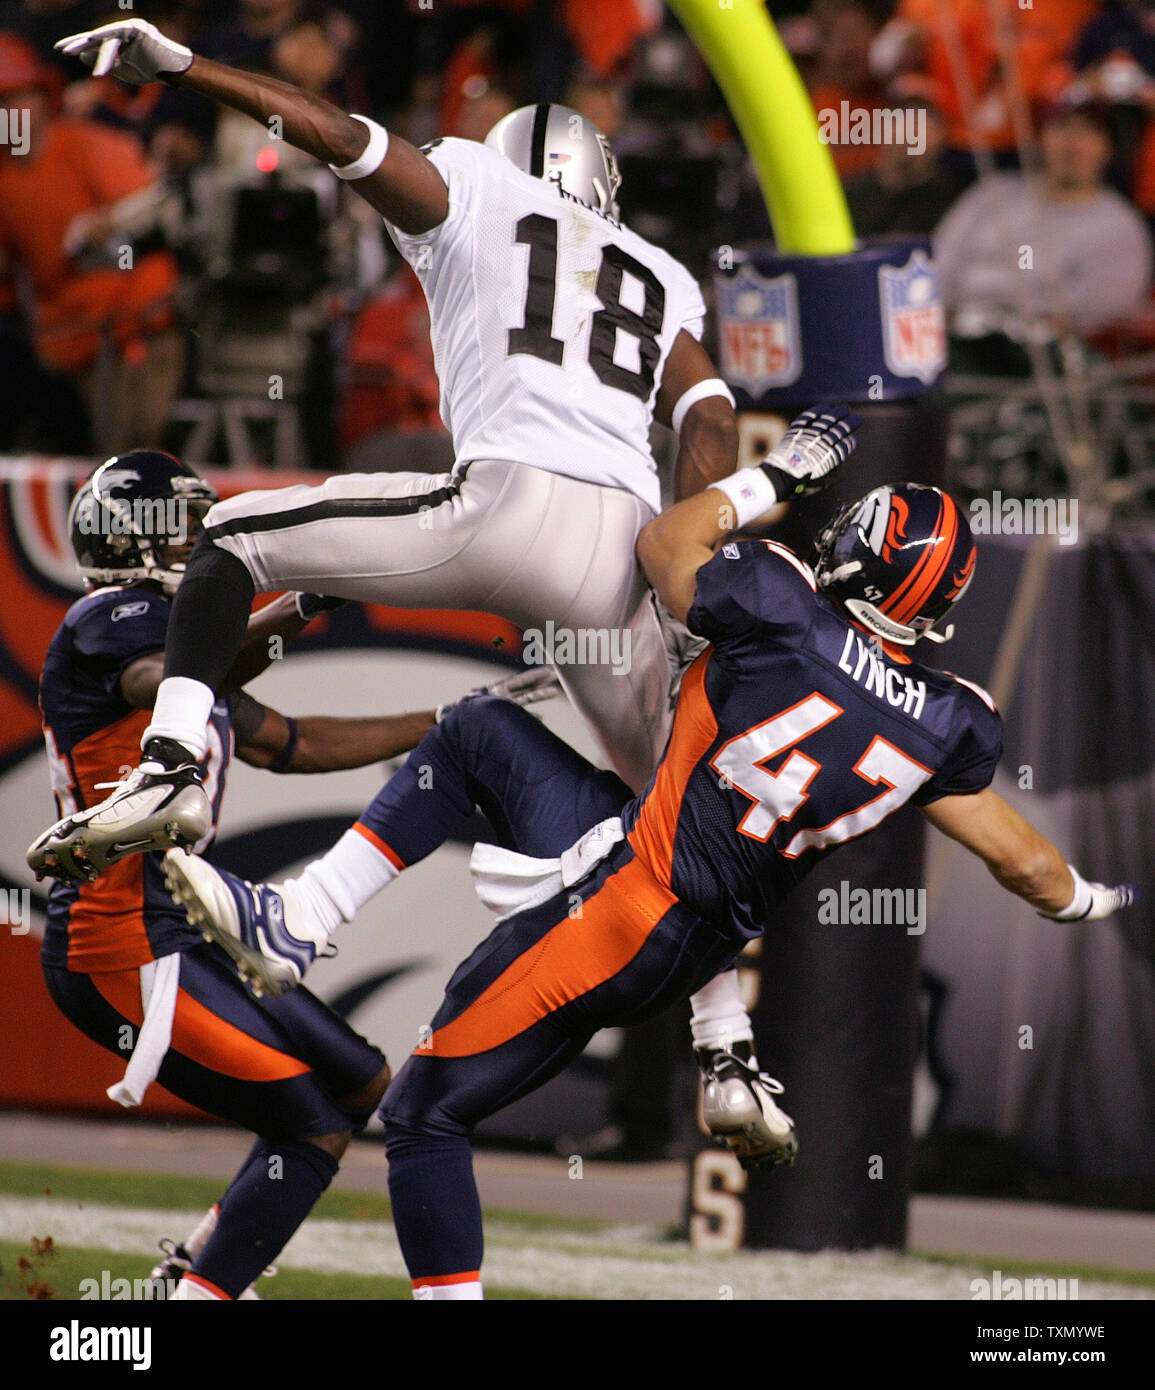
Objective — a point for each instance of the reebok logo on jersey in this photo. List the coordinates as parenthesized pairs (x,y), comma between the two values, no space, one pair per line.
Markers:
(129,610)
(878,678)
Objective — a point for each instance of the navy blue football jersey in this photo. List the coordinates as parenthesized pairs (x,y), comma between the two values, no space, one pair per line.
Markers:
(795,731)
(126,917)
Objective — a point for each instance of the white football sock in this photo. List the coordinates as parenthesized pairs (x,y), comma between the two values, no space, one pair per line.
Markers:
(195,1243)
(440,1293)
(181,713)
(335,887)
(719,1018)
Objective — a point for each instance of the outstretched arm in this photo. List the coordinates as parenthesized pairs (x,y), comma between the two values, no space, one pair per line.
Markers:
(403,186)
(320,743)
(316,743)
(677,543)
(1024,861)
(695,403)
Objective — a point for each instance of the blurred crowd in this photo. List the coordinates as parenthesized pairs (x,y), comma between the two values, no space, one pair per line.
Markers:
(168,269)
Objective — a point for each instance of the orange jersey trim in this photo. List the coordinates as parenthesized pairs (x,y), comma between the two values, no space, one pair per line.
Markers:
(379,844)
(202,1037)
(572,959)
(106,927)
(695,729)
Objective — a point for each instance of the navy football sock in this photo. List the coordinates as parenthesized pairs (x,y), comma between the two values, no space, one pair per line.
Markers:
(436,1209)
(209,615)
(536,792)
(268,1199)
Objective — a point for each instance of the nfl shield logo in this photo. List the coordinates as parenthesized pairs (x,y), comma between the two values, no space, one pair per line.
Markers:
(758,330)
(913,327)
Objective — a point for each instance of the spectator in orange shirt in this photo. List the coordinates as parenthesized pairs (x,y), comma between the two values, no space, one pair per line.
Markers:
(1041,40)
(841,73)
(101,306)
(392,380)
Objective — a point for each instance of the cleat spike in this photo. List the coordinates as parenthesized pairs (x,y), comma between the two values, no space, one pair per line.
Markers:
(143,813)
(260,926)
(740,1112)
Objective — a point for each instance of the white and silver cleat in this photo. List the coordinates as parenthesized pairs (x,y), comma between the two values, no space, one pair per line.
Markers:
(259,925)
(738,1108)
(154,808)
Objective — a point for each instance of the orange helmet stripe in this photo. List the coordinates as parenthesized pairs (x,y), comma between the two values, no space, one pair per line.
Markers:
(941,554)
(900,596)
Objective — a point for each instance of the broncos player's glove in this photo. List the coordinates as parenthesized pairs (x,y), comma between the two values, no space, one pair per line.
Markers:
(132,49)
(802,462)
(523,688)
(817,443)
(1093,900)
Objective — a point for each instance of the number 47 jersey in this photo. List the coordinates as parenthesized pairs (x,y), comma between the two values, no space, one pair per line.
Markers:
(551,323)
(794,733)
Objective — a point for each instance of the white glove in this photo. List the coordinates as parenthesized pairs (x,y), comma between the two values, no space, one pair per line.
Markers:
(816,443)
(522,688)
(137,51)
(1093,900)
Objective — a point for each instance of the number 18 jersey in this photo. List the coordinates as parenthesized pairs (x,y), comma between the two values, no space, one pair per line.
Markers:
(794,733)
(551,323)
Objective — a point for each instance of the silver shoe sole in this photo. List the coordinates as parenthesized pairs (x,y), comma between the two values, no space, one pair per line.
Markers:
(83,845)
(264,976)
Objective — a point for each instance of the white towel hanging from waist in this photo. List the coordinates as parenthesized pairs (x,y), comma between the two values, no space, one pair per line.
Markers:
(507,882)
(159,981)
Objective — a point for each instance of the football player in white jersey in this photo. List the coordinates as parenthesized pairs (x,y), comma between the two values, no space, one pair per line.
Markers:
(559,336)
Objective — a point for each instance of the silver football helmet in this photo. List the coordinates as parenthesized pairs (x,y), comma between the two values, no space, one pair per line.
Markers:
(553,142)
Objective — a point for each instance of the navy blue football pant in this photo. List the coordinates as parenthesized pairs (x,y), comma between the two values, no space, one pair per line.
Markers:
(608,951)
(282,1067)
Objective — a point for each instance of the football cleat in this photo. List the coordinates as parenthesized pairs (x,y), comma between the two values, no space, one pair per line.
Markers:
(173,1267)
(738,1108)
(261,926)
(176,1264)
(154,808)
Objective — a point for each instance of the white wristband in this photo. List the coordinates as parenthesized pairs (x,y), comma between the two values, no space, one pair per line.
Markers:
(715,386)
(1080,904)
(751,493)
(371,157)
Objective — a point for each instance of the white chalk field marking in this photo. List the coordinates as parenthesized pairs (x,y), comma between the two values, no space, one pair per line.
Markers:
(620,1262)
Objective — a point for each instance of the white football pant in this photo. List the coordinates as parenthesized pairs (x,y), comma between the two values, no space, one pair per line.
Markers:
(529,546)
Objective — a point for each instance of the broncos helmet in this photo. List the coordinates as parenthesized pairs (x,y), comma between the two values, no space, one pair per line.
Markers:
(555,143)
(898,559)
(128,514)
